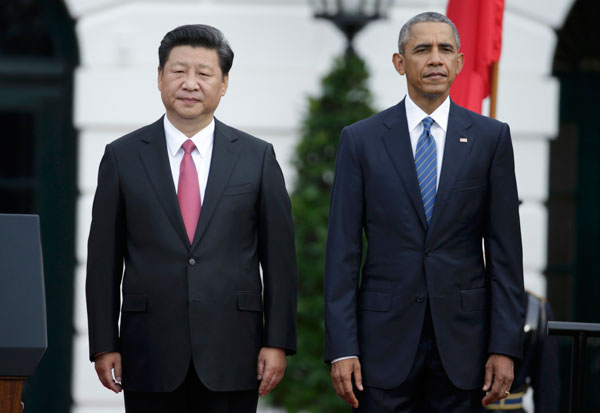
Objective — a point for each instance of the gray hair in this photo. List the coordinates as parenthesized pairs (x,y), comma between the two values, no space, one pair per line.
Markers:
(427,17)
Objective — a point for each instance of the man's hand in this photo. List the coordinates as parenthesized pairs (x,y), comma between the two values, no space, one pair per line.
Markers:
(105,364)
(341,377)
(270,368)
(499,375)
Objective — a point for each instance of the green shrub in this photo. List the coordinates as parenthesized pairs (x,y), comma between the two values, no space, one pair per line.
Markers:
(345,99)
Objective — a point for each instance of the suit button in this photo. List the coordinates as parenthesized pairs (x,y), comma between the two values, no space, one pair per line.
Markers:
(192,261)
(427,252)
(419,299)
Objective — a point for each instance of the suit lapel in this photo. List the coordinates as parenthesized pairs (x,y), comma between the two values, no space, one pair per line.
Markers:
(156,162)
(224,157)
(455,153)
(397,142)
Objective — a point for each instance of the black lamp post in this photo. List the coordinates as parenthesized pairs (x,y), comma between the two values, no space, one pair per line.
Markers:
(351,16)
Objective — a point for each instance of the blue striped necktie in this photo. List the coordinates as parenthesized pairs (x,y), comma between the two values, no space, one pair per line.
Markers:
(426,163)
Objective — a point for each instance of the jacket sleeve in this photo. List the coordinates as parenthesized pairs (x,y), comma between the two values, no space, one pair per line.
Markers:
(106,246)
(277,254)
(504,256)
(343,253)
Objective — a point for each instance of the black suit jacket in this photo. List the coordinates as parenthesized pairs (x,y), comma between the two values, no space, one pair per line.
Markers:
(476,310)
(202,301)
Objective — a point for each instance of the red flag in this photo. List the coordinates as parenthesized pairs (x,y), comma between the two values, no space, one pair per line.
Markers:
(479,23)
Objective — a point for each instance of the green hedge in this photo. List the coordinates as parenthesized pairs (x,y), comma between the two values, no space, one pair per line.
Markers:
(345,99)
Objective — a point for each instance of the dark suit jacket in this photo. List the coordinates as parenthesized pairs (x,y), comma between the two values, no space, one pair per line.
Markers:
(180,301)
(476,310)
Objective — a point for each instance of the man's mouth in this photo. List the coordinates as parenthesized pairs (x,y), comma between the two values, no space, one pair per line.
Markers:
(188,99)
(435,75)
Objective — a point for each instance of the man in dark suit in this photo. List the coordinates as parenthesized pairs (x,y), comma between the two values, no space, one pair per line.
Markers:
(191,207)
(425,326)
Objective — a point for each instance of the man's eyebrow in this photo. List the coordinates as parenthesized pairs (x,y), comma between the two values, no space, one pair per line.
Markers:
(185,64)
(429,45)
(422,45)
(447,45)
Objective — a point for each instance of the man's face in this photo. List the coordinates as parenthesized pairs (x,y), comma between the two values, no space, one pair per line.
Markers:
(430,61)
(191,84)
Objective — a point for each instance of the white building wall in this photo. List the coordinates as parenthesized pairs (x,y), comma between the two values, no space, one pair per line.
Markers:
(281,53)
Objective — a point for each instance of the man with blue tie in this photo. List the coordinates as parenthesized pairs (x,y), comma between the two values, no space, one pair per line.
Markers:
(426,325)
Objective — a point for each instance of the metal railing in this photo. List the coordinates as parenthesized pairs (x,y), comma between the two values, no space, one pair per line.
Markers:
(580,333)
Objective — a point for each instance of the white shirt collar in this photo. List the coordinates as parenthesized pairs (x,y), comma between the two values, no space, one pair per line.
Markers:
(415,115)
(203,139)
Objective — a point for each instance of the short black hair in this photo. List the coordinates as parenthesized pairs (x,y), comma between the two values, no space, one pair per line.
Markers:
(427,17)
(197,35)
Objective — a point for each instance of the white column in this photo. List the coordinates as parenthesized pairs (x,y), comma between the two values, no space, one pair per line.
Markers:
(281,53)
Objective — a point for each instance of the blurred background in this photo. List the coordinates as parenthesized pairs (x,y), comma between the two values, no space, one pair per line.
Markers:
(77,74)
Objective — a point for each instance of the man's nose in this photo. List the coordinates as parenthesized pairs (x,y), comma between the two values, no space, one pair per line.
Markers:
(191,82)
(435,58)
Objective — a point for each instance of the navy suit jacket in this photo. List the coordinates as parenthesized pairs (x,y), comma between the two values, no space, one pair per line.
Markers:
(202,301)
(377,313)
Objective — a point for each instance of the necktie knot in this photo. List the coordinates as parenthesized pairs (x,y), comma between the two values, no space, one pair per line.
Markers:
(427,122)
(188,146)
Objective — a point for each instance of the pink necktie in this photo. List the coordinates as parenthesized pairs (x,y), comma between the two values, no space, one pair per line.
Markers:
(188,190)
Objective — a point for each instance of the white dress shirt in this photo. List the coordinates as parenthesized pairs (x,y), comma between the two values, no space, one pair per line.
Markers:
(414,118)
(202,155)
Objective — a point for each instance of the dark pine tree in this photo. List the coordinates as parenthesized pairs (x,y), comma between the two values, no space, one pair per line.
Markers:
(345,99)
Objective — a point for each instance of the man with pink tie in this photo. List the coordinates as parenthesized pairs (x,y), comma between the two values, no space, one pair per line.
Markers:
(185,212)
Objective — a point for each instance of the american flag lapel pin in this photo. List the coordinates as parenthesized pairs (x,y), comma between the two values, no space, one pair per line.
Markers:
(463,140)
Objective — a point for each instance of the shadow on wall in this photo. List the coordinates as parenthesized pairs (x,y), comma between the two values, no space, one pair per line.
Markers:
(38,52)
(574,222)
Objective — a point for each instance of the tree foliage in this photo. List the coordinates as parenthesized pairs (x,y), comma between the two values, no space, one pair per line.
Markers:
(345,99)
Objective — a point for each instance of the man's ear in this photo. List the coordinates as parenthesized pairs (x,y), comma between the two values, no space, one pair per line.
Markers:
(225,84)
(398,61)
(159,78)
(461,62)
